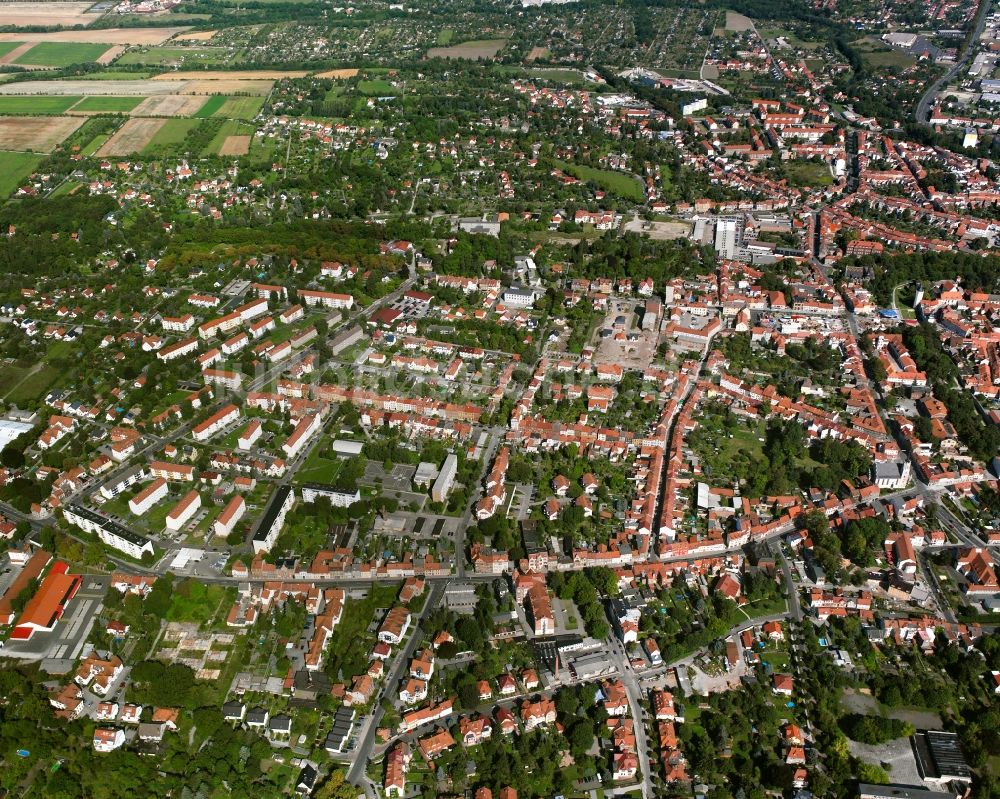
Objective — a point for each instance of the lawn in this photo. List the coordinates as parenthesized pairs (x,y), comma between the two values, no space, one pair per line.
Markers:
(213,104)
(444,37)
(62,54)
(14,167)
(10,105)
(172,133)
(318,469)
(617,183)
(240,107)
(108,105)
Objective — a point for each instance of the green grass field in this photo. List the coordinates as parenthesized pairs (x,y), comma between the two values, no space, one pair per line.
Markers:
(20,386)
(6,47)
(616,183)
(444,37)
(108,105)
(95,144)
(240,107)
(807,173)
(375,88)
(14,167)
(212,105)
(62,54)
(11,105)
(172,133)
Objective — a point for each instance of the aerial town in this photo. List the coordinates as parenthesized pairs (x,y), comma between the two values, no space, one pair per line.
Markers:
(522,398)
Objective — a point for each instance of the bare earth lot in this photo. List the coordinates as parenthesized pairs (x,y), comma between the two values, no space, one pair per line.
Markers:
(169,105)
(22,15)
(131,137)
(112,54)
(235,145)
(107,36)
(37,134)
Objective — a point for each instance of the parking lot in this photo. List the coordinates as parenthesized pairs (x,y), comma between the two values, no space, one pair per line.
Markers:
(63,645)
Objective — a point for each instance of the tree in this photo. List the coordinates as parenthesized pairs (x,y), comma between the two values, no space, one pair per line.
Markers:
(336,787)
(12,457)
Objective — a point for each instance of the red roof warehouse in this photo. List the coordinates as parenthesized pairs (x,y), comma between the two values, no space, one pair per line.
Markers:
(47,605)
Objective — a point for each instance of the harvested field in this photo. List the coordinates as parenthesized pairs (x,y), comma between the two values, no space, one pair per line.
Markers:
(258,88)
(12,55)
(337,74)
(108,36)
(169,105)
(483,48)
(195,36)
(136,88)
(235,145)
(23,15)
(240,75)
(35,134)
(112,54)
(132,137)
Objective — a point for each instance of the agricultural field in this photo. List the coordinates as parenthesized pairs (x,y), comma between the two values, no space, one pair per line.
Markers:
(106,105)
(61,54)
(131,137)
(169,134)
(27,14)
(240,107)
(471,51)
(169,105)
(36,105)
(108,36)
(213,105)
(35,134)
(81,86)
(14,167)
(232,138)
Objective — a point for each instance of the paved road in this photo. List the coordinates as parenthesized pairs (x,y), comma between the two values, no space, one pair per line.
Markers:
(366,740)
(927,101)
